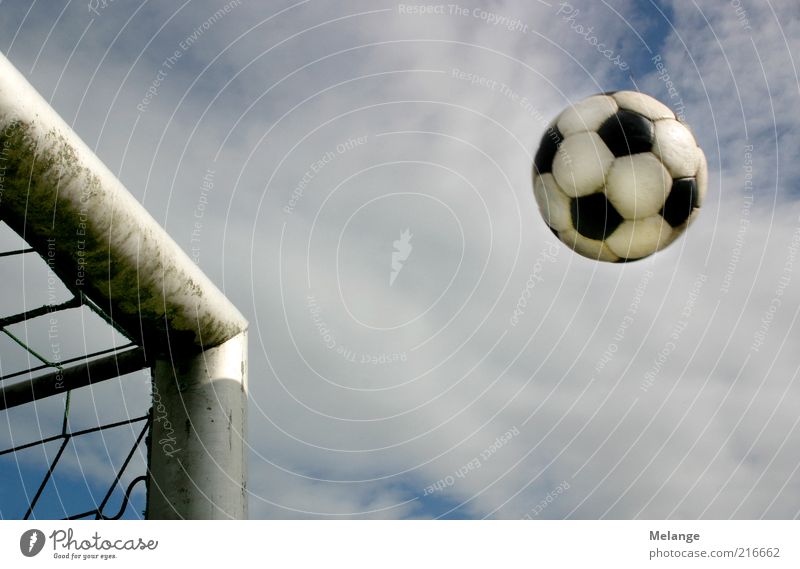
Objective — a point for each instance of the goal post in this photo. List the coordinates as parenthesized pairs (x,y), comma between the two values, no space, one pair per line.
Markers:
(105,247)
(199,472)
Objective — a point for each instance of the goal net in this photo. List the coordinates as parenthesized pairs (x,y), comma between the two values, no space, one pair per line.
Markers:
(123,369)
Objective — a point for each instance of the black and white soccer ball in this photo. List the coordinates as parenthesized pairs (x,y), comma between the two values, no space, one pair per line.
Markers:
(618,176)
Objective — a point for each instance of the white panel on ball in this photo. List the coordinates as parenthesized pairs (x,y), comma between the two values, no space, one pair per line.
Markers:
(643,104)
(675,146)
(588,247)
(702,178)
(638,185)
(594,158)
(587,115)
(553,203)
(639,238)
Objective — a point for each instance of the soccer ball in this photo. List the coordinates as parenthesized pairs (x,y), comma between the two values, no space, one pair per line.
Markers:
(618,176)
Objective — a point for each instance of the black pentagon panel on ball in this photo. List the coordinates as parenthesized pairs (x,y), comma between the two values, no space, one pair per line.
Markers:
(624,260)
(543,162)
(594,217)
(627,133)
(681,201)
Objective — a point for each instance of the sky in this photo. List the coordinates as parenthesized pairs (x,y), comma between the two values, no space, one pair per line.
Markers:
(291,147)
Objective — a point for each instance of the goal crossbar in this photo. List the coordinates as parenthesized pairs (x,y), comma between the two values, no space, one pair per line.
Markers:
(95,236)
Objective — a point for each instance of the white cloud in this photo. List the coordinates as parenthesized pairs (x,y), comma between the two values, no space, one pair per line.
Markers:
(712,436)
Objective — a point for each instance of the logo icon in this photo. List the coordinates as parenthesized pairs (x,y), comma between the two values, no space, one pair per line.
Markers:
(31,542)
(402,250)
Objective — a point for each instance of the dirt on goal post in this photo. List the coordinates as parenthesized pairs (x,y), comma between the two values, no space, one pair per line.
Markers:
(58,196)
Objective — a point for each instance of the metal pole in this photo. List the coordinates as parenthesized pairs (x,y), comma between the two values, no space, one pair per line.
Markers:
(81,375)
(106,247)
(95,236)
(197,451)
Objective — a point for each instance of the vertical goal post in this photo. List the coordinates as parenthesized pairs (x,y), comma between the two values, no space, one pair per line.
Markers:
(57,195)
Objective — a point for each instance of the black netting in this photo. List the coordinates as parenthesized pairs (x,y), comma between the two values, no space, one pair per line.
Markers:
(74,409)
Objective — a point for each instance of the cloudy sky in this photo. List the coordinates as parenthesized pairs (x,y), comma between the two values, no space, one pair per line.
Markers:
(329,129)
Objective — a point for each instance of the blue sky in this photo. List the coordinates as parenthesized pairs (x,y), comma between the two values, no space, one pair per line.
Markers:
(410,383)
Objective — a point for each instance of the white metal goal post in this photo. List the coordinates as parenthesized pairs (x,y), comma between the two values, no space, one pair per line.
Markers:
(104,246)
